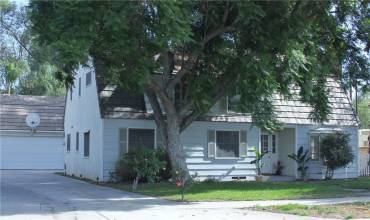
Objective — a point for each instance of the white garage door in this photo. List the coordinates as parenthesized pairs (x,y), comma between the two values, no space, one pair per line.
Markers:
(31,152)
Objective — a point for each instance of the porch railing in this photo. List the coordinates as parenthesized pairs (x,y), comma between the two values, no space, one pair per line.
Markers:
(364,165)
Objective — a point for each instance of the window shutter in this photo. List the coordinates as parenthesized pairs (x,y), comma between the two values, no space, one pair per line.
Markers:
(159,143)
(211,140)
(122,141)
(243,144)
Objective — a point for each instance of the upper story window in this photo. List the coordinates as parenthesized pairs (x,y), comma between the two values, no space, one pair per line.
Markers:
(79,86)
(70,93)
(88,78)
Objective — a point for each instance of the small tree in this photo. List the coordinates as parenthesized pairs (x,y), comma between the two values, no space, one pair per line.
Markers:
(335,152)
(301,159)
(258,161)
(143,163)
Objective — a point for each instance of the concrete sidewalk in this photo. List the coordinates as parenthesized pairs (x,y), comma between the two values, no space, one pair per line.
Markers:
(246,204)
(38,195)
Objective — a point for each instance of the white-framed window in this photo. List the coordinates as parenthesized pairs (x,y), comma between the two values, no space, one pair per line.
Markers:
(88,78)
(131,138)
(227,144)
(87,144)
(273,138)
(139,137)
(315,140)
(264,143)
(79,87)
(68,142)
(77,141)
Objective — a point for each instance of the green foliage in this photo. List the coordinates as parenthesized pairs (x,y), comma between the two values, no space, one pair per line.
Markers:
(25,67)
(257,47)
(41,82)
(258,161)
(335,152)
(301,158)
(364,111)
(142,164)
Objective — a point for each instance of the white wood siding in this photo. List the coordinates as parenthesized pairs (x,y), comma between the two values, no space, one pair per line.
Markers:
(194,139)
(316,169)
(82,115)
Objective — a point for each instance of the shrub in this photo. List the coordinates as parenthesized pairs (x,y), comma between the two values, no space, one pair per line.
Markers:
(141,164)
(335,152)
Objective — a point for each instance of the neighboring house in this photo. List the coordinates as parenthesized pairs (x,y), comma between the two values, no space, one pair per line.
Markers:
(364,152)
(103,122)
(364,143)
(24,148)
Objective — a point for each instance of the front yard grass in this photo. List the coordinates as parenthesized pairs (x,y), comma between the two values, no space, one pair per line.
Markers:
(342,211)
(243,191)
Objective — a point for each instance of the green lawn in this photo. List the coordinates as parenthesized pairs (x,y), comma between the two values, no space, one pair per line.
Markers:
(343,211)
(237,191)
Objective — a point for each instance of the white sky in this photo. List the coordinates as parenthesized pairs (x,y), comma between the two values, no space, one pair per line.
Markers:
(20,2)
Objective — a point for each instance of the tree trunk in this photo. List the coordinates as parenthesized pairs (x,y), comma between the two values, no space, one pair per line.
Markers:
(175,149)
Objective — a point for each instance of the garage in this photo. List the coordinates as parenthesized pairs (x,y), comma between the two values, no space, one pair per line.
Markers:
(31,145)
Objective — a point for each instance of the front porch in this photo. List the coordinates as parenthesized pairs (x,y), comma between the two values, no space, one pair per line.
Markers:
(277,165)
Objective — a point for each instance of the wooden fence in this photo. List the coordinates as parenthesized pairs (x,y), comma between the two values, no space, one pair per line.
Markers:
(364,165)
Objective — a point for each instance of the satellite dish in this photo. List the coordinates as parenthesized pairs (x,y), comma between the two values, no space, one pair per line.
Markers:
(32,120)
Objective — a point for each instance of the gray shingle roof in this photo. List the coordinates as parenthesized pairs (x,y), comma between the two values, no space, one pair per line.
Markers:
(115,103)
(14,109)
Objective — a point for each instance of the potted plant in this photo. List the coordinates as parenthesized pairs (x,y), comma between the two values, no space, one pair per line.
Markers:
(279,168)
(259,164)
(301,159)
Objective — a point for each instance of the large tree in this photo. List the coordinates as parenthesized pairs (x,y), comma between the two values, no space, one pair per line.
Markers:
(24,66)
(204,50)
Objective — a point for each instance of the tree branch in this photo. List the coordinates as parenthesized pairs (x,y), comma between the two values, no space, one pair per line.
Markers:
(158,113)
(9,30)
(219,92)
(167,103)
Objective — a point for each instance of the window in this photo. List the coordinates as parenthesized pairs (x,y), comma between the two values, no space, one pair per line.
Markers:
(264,143)
(227,144)
(79,86)
(70,93)
(315,147)
(87,144)
(68,142)
(88,78)
(232,104)
(273,137)
(141,138)
(77,141)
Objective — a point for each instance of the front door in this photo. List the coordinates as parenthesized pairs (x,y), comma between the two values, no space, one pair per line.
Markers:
(269,145)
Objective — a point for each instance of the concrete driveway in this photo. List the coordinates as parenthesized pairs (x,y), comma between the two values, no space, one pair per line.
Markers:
(44,195)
